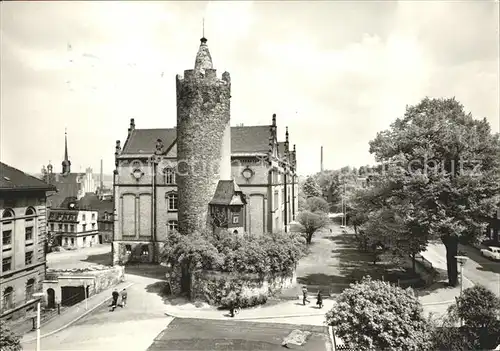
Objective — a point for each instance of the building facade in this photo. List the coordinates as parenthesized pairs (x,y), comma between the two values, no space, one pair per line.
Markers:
(165,179)
(22,248)
(67,183)
(105,208)
(73,228)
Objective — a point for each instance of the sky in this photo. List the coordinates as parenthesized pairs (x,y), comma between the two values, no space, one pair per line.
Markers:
(335,72)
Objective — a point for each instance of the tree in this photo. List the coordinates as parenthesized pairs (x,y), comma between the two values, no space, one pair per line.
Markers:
(317,204)
(446,165)
(8,340)
(312,222)
(479,309)
(311,188)
(375,315)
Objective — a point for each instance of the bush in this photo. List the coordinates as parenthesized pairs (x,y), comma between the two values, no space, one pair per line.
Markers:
(243,301)
(375,315)
(268,254)
(8,340)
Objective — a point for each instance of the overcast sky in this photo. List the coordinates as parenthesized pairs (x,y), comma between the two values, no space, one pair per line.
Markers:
(335,72)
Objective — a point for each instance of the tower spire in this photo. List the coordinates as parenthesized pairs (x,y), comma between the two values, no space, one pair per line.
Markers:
(66,163)
(203,58)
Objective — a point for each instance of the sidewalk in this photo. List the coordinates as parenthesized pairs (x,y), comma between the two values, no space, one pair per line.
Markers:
(293,312)
(74,313)
(437,298)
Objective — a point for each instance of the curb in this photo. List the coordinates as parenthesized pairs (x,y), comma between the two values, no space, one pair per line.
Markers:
(249,318)
(74,320)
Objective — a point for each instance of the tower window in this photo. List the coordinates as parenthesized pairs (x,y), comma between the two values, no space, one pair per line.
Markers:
(172,202)
(128,248)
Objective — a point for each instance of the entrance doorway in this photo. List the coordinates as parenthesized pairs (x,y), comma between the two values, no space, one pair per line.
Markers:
(71,295)
(51,298)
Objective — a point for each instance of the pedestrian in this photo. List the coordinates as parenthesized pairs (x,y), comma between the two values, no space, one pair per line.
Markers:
(231,301)
(319,300)
(114,303)
(124,297)
(304,295)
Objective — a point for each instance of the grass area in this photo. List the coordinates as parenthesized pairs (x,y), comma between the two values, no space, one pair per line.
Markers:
(334,262)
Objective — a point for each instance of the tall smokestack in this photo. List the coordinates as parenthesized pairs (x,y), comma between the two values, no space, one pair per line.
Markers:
(322,159)
(101,178)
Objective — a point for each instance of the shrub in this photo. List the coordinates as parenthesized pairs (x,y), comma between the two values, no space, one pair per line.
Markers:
(8,340)
(375,315)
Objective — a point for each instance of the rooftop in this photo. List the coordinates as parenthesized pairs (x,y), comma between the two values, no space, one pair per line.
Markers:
(12,179)
(244,139)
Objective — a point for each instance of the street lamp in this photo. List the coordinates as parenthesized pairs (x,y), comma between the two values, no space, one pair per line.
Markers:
(461,260)
(38,295)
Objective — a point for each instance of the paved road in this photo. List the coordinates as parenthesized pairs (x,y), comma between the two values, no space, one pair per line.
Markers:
(198,334)
(131,328)
(98,254)
(478,269)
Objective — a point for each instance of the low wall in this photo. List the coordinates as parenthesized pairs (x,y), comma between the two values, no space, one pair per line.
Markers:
(97,278)
(213,286)
(425,270)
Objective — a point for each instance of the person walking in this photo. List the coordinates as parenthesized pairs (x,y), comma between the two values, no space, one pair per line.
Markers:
(114,303)
(304,295)
(319,300)
(124,297)
(231,299)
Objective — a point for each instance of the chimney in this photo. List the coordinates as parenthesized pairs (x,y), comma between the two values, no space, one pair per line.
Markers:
(101,177)
(321,158)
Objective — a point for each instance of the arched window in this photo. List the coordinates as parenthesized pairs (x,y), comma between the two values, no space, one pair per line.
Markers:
(128,249)
(172,226)
(169,175)
(172,202)
(145,250)
(30,211)
(30,289)
(8,298)
(8,213)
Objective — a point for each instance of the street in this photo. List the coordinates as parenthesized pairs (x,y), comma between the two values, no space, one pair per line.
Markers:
(130,328)
(199,334)
(477,270)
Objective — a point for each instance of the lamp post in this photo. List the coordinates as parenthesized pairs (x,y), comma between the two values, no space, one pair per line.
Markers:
(461,260)
(38,295)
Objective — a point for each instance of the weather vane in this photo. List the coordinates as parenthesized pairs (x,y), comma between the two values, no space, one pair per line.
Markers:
(203,27)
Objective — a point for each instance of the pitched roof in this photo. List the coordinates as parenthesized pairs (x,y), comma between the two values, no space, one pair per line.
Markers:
(92,202)
(281,148)
(243,139)
(227,193)
(12,179)
(143,141)
(67,186)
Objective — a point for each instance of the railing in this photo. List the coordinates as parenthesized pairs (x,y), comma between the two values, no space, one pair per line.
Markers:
(46,315)
(344,348)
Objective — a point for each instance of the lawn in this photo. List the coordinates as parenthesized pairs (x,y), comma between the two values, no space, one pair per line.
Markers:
(334,262)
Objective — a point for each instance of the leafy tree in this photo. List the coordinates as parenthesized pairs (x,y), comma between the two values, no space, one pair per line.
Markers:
(317,204)
(312,222)
(446,166)
(375,315)
(479,310)
(8,339)
(311,188)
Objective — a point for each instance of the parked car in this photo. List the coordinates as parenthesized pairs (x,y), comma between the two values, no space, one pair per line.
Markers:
(491,252)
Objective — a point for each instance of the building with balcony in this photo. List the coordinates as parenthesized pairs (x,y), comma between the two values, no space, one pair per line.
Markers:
(73,228)
(22,246)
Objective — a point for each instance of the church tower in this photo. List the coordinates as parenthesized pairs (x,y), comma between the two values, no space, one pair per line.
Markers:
(203,138)
(66,164)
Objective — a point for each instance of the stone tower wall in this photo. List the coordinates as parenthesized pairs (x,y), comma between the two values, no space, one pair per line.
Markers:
(203,114)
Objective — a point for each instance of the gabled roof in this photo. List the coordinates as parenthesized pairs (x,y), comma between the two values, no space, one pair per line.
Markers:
(228,193)
(143,141)
(245,139)
(92,202)
(281,148)
(67,186)
(12,179)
